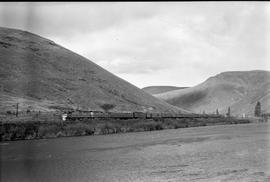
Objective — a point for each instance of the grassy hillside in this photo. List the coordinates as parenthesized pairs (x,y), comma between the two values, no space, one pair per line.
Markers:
(160,89)
(238,89)
(41,75)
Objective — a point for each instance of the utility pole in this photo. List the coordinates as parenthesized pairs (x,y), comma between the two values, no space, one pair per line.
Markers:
(17,108)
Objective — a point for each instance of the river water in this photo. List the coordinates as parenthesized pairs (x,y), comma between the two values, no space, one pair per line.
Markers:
(205,154)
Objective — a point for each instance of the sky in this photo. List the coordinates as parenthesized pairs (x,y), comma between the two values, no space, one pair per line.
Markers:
(154,43)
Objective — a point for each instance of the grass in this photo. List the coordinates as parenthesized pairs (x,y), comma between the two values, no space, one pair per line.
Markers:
(53,127)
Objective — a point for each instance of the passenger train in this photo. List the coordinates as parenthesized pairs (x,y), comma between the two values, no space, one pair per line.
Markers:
(132,115)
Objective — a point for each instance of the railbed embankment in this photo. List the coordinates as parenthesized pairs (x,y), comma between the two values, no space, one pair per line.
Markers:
(53,126)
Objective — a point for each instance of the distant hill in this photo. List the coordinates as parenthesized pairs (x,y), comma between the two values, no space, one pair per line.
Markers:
(160,89)
(41,75)
(238,89)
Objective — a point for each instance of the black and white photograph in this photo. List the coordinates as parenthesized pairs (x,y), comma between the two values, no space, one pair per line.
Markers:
(135,91)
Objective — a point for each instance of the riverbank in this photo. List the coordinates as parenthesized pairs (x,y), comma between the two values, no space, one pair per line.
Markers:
(22,130)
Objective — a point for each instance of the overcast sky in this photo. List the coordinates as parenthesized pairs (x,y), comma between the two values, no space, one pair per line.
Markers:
(176,43)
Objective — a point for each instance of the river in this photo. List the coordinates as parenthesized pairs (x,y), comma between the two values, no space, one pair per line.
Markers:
(205,154)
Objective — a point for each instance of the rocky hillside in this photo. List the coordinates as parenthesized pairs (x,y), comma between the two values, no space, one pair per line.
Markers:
(160,89)
(41,75)
(238,89)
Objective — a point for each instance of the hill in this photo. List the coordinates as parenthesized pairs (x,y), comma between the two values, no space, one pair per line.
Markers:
(160,89)
(41,75)
(238,89)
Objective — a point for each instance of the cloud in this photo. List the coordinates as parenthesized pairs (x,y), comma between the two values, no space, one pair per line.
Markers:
(66,19)
(180,43)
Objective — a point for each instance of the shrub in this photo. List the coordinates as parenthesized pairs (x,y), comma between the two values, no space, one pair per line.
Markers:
(107,128)
(78,129)
(9,112)
(145,125)
(48,131)
(107,107)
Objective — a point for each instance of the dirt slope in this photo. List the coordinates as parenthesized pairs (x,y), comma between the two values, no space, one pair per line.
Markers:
(238,89)
(39,74)
(160,89)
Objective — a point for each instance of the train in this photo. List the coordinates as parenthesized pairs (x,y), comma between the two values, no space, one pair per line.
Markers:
(132,115)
